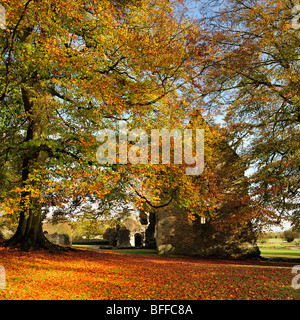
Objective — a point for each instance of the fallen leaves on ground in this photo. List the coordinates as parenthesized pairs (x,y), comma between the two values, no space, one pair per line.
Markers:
(87,274)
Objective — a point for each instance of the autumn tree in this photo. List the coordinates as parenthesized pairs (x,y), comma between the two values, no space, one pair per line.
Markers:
(254,84)
(70,68)
(219,195)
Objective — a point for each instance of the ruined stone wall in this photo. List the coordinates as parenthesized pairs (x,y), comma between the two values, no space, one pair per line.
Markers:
(175,235)
(60,239)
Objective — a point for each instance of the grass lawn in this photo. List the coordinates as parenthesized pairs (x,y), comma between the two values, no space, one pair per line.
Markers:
(286,253)
(276,247)
(268,250)
(144,252)
(100,274)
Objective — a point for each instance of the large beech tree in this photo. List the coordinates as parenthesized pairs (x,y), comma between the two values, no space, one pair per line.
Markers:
(69,68)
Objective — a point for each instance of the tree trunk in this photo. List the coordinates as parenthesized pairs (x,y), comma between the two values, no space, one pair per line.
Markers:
(29,233)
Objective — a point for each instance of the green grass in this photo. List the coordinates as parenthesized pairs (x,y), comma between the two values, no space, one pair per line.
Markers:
(88,246)
(275,240)
(285,253)
(268,250)
(145,252)
(277,247)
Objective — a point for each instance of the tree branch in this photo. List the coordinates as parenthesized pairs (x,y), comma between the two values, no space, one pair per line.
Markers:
(159,206)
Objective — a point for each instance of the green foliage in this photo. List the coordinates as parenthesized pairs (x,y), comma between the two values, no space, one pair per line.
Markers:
(88,228)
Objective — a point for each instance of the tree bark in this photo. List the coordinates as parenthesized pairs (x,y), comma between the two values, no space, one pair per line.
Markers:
(29,233)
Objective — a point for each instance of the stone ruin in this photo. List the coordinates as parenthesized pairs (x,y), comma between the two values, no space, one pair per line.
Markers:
(170,232)
(131,233)
(58,233)
(174,234)
(60,239)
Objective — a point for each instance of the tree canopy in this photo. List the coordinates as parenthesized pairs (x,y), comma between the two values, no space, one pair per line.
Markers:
(254,84)
(71,68)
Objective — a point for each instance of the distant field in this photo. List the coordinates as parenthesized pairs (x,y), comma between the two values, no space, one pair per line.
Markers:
(274,240)
(277,247)
(286,253)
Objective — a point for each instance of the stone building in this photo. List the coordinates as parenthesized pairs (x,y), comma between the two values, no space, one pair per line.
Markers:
(170,231)
(60,239)
(132,233)
(174,234)
(59,233)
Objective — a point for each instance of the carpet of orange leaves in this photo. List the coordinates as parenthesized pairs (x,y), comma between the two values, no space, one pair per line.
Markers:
(87,274)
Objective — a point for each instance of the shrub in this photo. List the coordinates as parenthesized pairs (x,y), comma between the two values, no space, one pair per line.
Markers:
(290,235)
